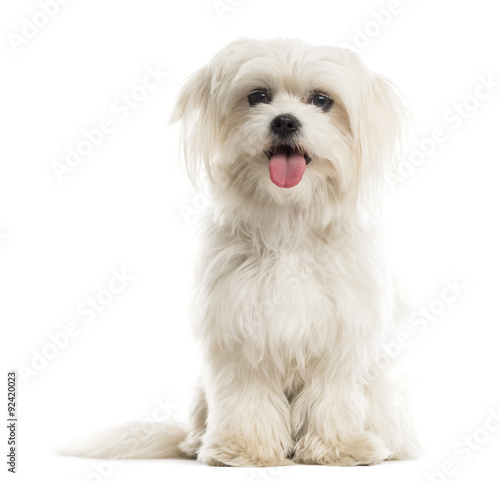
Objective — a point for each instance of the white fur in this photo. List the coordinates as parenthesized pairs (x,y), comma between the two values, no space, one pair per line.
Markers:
(294,299)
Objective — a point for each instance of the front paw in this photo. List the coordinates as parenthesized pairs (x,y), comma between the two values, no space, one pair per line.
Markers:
(364,449)
(236,450)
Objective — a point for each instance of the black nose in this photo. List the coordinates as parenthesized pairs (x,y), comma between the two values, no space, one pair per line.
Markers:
(284,125)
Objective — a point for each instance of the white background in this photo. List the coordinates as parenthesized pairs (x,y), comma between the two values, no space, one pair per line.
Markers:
(128,205)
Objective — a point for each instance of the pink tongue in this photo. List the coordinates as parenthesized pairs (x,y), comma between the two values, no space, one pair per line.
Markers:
(286,167)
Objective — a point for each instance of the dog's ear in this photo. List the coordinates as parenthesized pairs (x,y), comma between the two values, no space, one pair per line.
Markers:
(196,110)
(193,95)
(380,134)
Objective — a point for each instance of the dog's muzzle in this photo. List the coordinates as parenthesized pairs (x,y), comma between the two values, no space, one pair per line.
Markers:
(287,162)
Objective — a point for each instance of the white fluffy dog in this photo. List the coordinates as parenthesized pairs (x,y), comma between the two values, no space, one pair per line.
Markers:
(294,299)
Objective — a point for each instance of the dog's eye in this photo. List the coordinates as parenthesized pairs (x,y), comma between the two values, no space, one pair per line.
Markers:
(258,97)
(322,101)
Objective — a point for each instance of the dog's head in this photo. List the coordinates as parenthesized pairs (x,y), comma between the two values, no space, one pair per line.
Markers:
(285,122)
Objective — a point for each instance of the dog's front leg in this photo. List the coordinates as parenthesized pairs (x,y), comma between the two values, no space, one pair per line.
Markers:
(248,420)
(328,418)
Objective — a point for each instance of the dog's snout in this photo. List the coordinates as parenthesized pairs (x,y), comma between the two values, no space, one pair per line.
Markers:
(284,125)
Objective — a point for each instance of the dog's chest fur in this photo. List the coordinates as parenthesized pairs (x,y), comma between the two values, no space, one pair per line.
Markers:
(295,304)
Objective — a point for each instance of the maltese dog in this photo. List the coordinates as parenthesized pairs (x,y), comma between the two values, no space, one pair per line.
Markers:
(294,300)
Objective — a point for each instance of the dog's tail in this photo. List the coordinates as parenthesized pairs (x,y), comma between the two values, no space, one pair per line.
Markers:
(132,440)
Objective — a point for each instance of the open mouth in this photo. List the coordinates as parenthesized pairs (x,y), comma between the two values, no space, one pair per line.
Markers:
(287,165)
